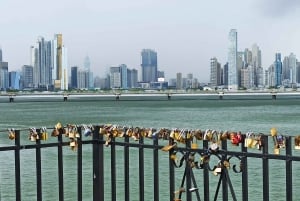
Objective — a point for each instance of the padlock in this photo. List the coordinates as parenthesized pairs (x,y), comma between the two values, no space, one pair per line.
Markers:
(226,164)
(248,140)
(217,171)
(11,134)
(169,147)
(194,144)
(207,135)
(276,151)
(215,141)
(44,136)
(273,132)
(297,142)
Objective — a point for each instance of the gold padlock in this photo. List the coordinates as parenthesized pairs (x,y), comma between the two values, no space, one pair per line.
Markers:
(169,147)
(273,132)
(297,142)
(276,149)
(194,144)
(11,134)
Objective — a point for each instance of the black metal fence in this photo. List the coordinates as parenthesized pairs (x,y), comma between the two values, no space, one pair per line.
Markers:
(189,150)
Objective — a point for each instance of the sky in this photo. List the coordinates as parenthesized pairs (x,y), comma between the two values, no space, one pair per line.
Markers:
(185,34)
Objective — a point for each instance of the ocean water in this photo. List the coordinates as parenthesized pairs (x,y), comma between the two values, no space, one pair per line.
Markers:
(257,115)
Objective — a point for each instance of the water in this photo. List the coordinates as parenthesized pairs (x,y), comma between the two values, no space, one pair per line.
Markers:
(234,115)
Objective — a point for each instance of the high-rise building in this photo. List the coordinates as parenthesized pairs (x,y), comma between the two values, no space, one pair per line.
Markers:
(4,79)
(134,78)
(179,81)
(0,54)
(41,60)
(14,80)
(256,56)
(74,77)
(60,63)
(124,78)
(232,61)
(225,75)
(27,76)
(293,68)
(149,65)
(87,67)
(215,72)
(277,70)
(115,77)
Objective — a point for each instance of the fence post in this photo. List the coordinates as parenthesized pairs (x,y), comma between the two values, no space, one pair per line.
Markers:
(38,166)
(79,165)
(98,166)
(224,180)
(155,168)
(289,169)
(60,166)
(265,163)
(206,175)
(141,168)
(17,166)
(244,163)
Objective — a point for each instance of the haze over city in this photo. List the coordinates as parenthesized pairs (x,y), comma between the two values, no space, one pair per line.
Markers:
(185,35)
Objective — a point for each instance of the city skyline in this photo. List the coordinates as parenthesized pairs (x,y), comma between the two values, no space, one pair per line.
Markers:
(184,35)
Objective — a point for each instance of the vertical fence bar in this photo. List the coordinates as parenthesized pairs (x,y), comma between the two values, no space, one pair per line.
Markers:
(188,171)
(38,167)
(141,169)
(126,168)
(17,166)
(171,173)
(244,163)
(113,169)
(155,169)
(98,165)
(224,179)
(289,169)
(265,163)
(79,165)
(206,175)
(60,167)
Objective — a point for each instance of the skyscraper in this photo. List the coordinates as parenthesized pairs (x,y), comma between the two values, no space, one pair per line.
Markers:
(115,77)
(293,68)
(149,65)
(87,67)
(60,63)
(277,70)
(0,54)
(215,72)
(232,60)
(74,79)
(27,76)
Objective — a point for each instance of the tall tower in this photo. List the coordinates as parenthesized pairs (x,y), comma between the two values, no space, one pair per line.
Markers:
(59,72)
(0,54)
(232,60)
(149,65)
(293,68)
(87,68)
(278,69)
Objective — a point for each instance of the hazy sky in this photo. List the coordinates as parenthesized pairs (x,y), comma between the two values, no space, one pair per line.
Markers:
(185,34)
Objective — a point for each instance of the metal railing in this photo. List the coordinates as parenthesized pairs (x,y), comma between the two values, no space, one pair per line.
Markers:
(190,150)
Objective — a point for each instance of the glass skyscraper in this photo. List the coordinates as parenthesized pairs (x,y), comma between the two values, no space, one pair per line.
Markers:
(149,65)
(278,69)
(232,60)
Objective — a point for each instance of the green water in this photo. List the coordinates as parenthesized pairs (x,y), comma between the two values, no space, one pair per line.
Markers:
(234,115)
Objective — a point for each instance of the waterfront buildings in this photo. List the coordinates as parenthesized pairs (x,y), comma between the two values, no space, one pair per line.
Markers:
(4,80)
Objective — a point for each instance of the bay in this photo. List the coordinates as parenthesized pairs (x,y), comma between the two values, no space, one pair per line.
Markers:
(257,115)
